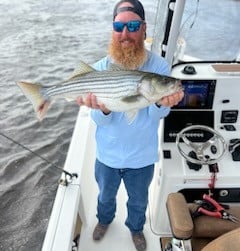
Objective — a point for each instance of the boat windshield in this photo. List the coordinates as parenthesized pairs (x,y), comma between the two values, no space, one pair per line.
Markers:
(210,30)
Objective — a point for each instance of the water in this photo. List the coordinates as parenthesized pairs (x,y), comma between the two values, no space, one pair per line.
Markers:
(42,41)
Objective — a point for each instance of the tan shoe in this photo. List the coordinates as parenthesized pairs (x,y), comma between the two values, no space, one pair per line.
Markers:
(139,241)
(99,231)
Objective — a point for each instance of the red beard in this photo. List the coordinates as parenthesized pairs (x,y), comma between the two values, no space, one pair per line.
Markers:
(131,57)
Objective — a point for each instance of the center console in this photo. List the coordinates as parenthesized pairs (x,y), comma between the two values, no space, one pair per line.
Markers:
(211,99)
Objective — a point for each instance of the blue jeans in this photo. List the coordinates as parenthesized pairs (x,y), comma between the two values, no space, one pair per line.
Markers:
(136,182)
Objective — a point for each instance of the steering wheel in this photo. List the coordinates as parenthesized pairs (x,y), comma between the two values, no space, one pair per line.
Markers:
(208,152)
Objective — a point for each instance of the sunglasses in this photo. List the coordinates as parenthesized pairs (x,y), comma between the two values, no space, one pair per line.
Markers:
(132,26)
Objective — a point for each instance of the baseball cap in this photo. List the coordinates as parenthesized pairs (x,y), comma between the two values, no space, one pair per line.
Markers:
(136,7)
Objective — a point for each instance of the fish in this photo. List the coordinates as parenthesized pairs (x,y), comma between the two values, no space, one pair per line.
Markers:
(118,89)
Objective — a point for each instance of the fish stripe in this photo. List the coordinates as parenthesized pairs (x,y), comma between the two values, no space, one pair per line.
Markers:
(87,89)
(118,84)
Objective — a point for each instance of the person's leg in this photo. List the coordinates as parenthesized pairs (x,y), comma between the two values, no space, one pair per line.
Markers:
(137,182)
(108,180)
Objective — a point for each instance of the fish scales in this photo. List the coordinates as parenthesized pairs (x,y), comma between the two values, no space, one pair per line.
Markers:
(98,84)
(88,87)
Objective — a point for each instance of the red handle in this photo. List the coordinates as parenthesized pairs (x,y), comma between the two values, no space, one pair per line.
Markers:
(209,213)
(213,202)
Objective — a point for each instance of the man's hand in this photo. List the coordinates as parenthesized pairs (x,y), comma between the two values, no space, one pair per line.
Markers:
(171,100)
(91,102)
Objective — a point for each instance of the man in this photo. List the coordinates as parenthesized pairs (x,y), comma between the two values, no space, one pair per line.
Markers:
(127,152)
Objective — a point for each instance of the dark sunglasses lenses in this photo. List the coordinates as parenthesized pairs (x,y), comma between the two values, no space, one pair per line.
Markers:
(132,26)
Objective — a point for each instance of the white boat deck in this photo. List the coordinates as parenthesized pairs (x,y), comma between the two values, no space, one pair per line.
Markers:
(118,237)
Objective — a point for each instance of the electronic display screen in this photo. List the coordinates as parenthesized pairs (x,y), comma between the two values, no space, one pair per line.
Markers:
(198,94)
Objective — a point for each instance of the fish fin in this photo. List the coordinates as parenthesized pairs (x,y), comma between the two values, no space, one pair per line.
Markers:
(116,67)
(70,99)
(131,115)
(81,70)
(132,98)
(33,93)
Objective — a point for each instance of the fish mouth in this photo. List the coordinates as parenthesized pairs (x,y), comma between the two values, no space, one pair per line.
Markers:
(178,86)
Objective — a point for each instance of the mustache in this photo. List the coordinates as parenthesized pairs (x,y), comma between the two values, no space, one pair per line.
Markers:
(127,39)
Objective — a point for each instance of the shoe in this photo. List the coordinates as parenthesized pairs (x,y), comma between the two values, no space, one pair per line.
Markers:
(139,241)
(99,231)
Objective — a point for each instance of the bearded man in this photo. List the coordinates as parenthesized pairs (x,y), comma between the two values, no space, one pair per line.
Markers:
(127,151)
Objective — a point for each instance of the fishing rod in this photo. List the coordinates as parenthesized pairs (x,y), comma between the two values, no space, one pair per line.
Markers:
(65,181)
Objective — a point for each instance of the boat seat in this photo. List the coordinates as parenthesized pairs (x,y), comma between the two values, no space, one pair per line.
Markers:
(205,233)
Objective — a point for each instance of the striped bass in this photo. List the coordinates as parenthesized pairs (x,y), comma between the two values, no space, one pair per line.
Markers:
(119,90)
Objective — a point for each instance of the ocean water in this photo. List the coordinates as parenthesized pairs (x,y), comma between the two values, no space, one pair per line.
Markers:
(43,41)
(40,41)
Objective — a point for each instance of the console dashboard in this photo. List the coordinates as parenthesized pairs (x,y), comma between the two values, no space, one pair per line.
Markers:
(211,99)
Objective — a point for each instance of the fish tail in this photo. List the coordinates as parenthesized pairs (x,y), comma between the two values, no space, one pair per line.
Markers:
(33,93)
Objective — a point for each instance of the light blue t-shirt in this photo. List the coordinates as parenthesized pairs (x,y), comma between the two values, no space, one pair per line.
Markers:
(135,145)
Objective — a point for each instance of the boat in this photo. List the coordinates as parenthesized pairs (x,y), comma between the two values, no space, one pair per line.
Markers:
(210,107)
